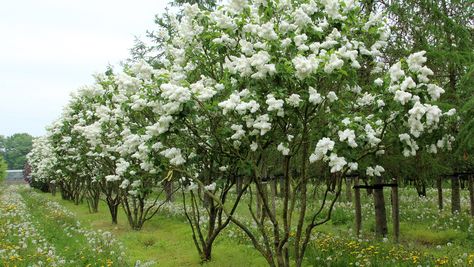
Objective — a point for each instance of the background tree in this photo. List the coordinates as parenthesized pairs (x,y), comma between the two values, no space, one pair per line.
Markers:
(3,169)
(15,148)
(445,30)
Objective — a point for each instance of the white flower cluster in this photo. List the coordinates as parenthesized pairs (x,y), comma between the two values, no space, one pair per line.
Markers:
(174,154)
(375,171)
(431,113)
(275,104)
(348,135)
(322,147)
(412,145)
(257,66)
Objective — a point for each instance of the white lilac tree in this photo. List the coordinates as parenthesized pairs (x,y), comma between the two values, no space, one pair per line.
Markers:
(144,178)
(42,162)
(71,179)
(301,78)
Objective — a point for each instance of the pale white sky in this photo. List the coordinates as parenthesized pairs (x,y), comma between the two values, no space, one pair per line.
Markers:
(49,48)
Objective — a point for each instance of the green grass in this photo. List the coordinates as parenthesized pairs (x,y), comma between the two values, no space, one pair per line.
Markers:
(165,240)
(428,237)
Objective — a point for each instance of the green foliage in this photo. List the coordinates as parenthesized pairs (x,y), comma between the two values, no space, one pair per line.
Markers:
(466,134)
(3,169)
(444,29)
(341,217)
(15,148)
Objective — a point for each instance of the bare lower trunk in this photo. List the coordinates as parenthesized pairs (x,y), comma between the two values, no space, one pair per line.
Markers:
(258,202)
(282,185)
(65,191)
(420,186)
(395,213)
(273,191)
(52,188)
(239,182)
(358,207)
(77,198)
(93,203)
(455,195)
(113,208)
(169,191)
(380,212)
(206,253)
(439,185)
(348,190)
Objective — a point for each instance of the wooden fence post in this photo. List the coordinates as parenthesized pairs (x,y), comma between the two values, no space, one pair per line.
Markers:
(439,185)
(395,212)
(455,194)
(357,205)
(471,193)
(380,211)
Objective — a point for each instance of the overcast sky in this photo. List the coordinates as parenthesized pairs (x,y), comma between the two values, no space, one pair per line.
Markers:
(49,48)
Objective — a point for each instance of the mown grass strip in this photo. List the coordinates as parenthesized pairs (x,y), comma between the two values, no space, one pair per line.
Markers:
(79,246)
(21,242)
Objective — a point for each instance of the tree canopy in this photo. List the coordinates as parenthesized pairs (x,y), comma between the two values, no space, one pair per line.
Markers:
(15,148)
(3,169)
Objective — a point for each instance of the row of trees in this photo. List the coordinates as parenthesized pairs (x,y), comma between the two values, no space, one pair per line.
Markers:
(235,96)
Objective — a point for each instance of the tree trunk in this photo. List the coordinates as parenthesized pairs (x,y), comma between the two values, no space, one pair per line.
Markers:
(65,192)
(273,194)
(369,190)
(169,191)
(93,204)
(380,212)
(439,185)
(238,182)
(258,212)
(420,187)
(455,195)
(471,193)
(358,207)
(282,185)
(395,212)
(52,189)
(77,198)
(113,208)
(206,253)
(348,190)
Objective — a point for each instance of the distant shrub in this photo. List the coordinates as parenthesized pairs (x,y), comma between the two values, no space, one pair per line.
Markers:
(40,185)
(3,169)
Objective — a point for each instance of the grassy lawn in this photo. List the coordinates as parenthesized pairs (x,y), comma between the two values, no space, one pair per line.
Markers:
(164,239)
(72,236)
